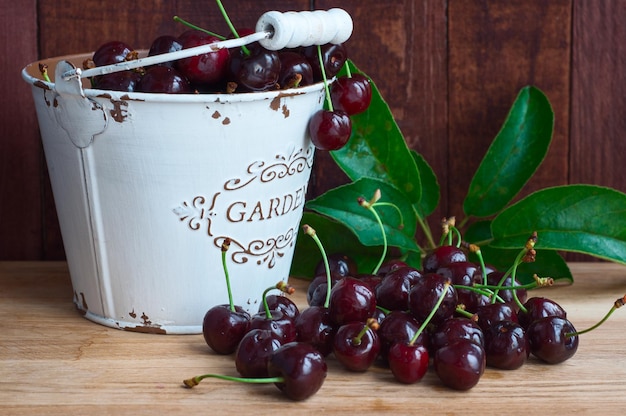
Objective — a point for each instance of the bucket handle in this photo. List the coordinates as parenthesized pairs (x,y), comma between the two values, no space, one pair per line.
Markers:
(274,31)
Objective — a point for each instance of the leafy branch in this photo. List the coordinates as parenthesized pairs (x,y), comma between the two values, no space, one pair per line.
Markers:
(572,218)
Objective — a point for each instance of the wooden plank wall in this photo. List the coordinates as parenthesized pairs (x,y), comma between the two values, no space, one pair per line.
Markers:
(449,70)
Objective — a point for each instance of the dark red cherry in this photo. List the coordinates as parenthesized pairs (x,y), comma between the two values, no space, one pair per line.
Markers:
(280,302)
(253,352)
(351,301)
(206,68)
(295,70)
(163,79)
(223,328)
(302,367)
(330,130)
(339,264)
(425,294)
(506,345)
(537,308)
(453,329)
(441,257)
(313,326)
(112,52)
(393,291)
(391,265)
(371,280)
(408,362)
(333,56)
(351,94)
(257,71)
(165,44)
(356,346)
(282,326)
(494,312)
(460,365)
(316,291)
(494,278)
(467,274)
(118,81)
(399,327)
(549,340)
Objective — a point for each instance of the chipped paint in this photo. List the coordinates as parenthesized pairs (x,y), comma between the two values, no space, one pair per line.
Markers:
(119,111)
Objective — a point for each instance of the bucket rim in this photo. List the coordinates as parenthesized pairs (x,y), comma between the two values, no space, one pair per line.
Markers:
(33,67)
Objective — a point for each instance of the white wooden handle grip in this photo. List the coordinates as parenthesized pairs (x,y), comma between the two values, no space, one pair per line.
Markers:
(294,29)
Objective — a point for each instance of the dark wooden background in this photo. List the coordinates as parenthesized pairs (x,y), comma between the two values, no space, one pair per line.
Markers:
(449,69)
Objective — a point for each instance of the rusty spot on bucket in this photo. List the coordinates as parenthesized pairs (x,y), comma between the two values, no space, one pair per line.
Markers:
(226,121)
(147,327)
(119,111)
(41,84)
(132,314)
(275,103)
(216,115)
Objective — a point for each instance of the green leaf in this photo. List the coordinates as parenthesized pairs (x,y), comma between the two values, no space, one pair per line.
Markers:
(341,205)
(377,149)
(430,186)
(514,155)
(580,218)
(335,238)
(548,263)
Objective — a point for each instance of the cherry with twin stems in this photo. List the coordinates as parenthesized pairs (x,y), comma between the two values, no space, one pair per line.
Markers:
(224,325)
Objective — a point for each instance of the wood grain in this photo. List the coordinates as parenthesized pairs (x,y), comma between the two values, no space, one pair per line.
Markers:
(54,362)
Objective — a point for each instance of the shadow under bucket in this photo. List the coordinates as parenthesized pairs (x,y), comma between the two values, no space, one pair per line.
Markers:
(148,186)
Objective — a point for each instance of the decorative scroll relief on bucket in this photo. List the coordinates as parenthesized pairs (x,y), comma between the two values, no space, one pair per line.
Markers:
(201,211)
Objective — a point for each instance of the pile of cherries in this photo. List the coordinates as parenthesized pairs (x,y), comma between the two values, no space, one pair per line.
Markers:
(454,315)
(252,68)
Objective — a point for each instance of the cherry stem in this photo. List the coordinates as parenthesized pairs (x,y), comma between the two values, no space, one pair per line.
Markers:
(192,26)
(225,247)
(245,50)
(481,291)
(473,248)
(310,231)
(463,312)
(394,206)
(283,287)
(194,381)
(369,205)
(329,102)
(526,255)
(43,68)
(422,327)
(348,71)
(371,323)
(618,304)
(448,227)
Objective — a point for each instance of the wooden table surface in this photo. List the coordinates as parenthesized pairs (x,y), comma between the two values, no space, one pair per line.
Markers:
(55,362)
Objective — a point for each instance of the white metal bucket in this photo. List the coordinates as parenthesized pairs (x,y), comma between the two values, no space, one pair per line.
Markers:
(147,187)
